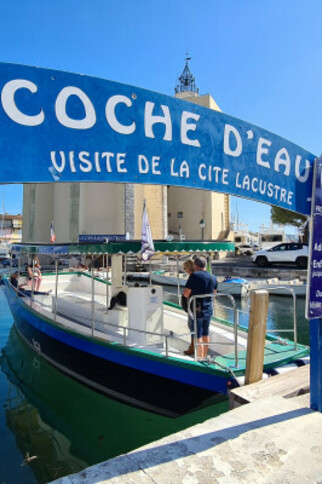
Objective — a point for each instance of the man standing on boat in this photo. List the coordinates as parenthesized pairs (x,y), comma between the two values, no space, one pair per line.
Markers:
(201,282)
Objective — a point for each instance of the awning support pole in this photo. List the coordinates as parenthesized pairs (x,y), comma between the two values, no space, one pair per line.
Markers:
(178,280)
(18,271)
(107,285)
(93,281)
(56,287)
(125,270)
(33,277)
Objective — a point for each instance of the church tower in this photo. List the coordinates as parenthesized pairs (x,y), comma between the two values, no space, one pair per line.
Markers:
(197,214)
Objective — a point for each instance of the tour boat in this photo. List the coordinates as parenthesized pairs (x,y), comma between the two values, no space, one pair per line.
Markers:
(133,353)
(236,286)
(280,287)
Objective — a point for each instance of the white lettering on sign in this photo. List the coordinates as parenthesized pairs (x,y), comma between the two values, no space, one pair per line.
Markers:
(9,105)
(185,127)
(183,170)
(239,146)
(261,150)
(213,173)
(60,107)
(144,165)
(150,120)
(111,117)
(283,158)
(264,188)
(302,178)
(122,117)
(86,162)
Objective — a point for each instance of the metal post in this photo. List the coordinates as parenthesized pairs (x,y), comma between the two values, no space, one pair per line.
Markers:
(10,264)
(236,323)
(125,270)
(56,287)
(178,280)
(195,328)
(93,281)
(33,277)
(107,285)
(295,319)
(18,272)
(316,364)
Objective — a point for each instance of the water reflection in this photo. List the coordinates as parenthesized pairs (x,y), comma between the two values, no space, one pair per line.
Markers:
(66,425)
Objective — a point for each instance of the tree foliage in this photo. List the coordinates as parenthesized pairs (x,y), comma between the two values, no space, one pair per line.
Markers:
(283,216)
(286,217)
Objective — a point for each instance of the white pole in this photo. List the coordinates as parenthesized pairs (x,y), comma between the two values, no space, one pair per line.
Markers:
(107,285)
(178,279)
(56,287)
(93,326)
(125,270)
(33,277)
(18,272)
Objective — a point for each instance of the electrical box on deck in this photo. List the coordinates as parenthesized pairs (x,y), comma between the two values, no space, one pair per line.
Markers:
(145,305)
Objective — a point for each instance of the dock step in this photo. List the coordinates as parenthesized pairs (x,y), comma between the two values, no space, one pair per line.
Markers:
(288,384)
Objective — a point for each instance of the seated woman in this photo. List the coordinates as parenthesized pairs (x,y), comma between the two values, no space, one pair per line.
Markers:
(34,274)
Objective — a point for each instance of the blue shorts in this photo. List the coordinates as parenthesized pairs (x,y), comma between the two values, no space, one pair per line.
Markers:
(203,323)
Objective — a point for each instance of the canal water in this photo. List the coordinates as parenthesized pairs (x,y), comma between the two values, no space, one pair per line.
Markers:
(52,426)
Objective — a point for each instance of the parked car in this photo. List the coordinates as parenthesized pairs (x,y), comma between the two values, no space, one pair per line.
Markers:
(295,253)
(245,249)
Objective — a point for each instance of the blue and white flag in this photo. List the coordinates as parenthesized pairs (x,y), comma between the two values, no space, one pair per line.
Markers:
(147,247)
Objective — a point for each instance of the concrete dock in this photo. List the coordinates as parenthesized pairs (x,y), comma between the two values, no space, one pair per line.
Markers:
(273,439)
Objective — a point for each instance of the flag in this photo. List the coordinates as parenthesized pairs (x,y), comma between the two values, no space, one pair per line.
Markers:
(52,233)
(147,245)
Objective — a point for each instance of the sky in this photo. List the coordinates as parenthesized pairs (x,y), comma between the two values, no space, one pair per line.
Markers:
(260,60)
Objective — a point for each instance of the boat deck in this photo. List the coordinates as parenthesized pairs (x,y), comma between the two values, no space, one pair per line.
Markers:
(75,312)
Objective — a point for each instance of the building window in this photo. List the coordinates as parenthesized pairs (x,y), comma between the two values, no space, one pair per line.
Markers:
(180,214)
(169,214)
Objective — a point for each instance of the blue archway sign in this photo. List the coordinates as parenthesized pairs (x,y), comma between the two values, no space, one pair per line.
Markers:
(62,127)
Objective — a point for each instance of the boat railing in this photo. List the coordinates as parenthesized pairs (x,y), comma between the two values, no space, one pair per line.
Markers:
(294,329)
(239,312)
(125,329)
(192,311)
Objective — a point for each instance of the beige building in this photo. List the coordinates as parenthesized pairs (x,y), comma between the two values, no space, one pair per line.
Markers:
(197,214)
(11,228)
(82,209)
(87,209)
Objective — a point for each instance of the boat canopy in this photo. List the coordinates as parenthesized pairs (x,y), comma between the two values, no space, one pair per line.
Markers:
(123,248)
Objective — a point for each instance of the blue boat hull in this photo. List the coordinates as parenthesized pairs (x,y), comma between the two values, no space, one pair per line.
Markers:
(133,376)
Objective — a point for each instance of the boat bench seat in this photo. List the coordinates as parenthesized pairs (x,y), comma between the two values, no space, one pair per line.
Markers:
(80,310)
